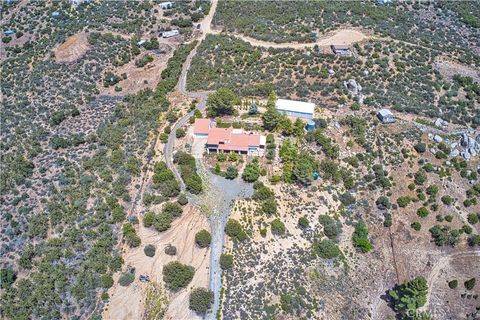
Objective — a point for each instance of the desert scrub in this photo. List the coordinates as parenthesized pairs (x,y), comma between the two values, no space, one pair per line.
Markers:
(226,261)
(149,250)
(203,238)
(126,279)
(200,300)
(278,227)
(177,275)
(156,301)
(235,230)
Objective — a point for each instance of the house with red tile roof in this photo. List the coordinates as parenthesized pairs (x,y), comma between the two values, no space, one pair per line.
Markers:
(229,139)
(201,127)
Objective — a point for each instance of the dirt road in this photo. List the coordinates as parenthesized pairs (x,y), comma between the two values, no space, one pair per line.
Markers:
(339,37)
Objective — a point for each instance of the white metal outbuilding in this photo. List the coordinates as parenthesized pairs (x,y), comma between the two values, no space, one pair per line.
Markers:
(295,108)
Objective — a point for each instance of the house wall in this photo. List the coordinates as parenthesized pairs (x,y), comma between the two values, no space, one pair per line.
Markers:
(296,114)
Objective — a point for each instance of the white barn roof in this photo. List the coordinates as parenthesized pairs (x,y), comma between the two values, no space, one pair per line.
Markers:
(385,113)
(295,106)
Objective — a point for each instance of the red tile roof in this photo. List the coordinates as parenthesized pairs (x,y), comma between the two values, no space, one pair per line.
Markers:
(202,126)
(227,138)
(219,135)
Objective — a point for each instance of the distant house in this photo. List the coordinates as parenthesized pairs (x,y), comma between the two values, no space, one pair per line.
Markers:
(8,33)
(294,108)
(141,42)
(229,140)
(166,5)
(55,14)
(169,34)
(386,116)
(341,50)
(383,2)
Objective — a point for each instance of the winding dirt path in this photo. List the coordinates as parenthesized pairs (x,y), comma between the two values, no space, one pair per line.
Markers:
(338,37)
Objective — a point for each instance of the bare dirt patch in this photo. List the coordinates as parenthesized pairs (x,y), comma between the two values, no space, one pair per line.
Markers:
(448,69)
(128,302)
(139,78)
(72,49)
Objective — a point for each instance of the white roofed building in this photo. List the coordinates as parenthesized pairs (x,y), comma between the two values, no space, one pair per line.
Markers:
(169,34)
(294,108)
(166,5)
(386,116)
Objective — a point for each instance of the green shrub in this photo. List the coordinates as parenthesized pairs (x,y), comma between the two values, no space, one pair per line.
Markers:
(188,171)
(226,261)
(263,232)
(200,300)
(130,235)
(472,218)
(453,284)
(173,209)
(251,171)
(163,137)
(303,222)
(403,201)
(222,102)
(235,230)
(180,133)
(7,277)
(447,200)
(143,61)
(420,147)
(326,249)
(148,219)
(231,173)
(107,281)
(469,284)
(388,220)
(177,275)
(171,250)
(203,238)
(162,221)
(467,229)
(105,296)
(420,177)
(278,227)
(149,250)
(331,227)
(126,278)
(432,190)
(182,199)
(409,296)
(269,206)
(443,235)
(416,226)
(360,237)
(422,212)
(474,240)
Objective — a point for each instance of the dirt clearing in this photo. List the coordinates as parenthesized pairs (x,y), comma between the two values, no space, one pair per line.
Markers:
(339,37)
(449,68)
(139,78)
(128,302)
(72,49)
